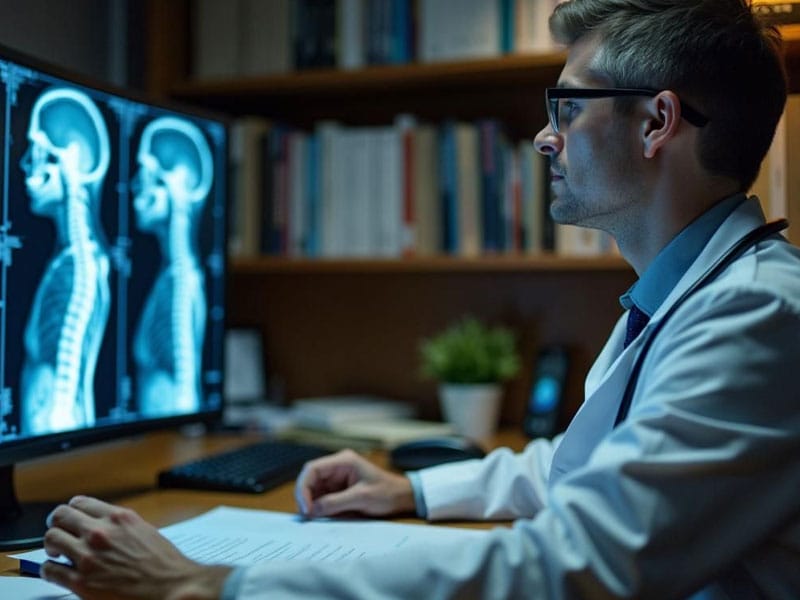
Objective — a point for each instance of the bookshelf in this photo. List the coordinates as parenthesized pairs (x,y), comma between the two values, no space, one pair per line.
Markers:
(348,326)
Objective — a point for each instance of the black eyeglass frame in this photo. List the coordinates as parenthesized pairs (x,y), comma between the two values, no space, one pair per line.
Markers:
(554,94)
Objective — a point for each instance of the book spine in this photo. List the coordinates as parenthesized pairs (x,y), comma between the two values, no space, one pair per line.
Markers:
(448,188)
(313,195)
(351,32)
(314,33)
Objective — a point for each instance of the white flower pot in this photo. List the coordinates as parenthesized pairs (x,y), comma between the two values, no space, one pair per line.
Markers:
(472,408)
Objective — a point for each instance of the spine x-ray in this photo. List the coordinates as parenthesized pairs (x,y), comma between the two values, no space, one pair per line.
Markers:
(111,249)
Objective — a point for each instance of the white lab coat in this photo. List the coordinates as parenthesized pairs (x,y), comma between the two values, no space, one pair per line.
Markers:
(700,485)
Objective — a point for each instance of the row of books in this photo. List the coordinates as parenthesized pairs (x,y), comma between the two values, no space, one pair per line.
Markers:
(258,37)
(405,189)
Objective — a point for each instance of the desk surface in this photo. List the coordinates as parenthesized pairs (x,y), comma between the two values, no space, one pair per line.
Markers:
(125,472)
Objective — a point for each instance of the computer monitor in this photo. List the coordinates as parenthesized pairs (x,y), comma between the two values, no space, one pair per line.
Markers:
(112,269)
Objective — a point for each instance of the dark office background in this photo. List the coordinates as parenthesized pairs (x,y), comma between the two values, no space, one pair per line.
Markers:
(99,38)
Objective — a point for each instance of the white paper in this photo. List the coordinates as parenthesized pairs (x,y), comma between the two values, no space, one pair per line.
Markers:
(244,537)
(32,588)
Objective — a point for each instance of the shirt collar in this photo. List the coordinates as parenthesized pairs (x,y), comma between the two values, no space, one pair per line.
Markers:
(675,258)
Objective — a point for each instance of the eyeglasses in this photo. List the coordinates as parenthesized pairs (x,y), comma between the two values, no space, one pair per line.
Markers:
(557,110)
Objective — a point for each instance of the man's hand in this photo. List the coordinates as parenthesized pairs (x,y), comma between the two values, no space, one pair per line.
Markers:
(347,482)
(116,554)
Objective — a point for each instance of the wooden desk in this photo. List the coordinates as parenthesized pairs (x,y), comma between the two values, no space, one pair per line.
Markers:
(125,473)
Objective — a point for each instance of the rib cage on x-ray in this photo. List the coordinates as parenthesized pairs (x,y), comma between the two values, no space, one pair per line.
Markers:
(109,291)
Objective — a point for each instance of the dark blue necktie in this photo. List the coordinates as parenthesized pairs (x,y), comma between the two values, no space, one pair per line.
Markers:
(636,322)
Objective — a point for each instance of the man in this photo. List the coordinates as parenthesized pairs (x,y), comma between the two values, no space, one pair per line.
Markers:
(686,483)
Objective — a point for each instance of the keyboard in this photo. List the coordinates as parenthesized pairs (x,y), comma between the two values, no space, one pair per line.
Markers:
(253,469)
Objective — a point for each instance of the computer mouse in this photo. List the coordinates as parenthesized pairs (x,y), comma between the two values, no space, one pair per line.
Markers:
(428,452)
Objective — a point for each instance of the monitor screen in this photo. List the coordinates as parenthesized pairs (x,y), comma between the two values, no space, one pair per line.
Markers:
(112,267)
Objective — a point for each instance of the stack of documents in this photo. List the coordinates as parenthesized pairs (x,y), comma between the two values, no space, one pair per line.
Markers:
(359,422)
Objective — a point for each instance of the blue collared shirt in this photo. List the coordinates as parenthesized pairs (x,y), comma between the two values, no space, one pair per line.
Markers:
(663,274)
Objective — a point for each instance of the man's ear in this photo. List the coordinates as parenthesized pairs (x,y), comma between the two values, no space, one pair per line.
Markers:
(664,116)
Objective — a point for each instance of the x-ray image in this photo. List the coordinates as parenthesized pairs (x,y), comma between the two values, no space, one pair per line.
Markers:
(64,165)
(174,179)
(112,258)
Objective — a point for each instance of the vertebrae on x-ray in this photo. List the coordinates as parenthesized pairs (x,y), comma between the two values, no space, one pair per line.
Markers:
(174,179)
(65,164)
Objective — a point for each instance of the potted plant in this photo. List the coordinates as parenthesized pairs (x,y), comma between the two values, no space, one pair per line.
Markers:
(470,361)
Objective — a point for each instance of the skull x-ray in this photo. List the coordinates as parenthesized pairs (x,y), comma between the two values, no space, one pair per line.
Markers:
(112,240)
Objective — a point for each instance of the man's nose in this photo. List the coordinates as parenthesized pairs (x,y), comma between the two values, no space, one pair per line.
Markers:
(548,142)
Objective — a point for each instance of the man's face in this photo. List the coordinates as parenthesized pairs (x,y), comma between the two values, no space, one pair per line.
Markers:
(593,158)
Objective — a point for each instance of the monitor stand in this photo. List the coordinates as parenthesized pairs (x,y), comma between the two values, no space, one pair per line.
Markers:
(21,525)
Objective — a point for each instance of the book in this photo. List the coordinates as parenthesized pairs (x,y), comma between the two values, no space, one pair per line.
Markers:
(367,434)
(360,206)
(274,191)
(216,39)
(265,46)
(459,29)
(351,34)
(531,29)
(492,184)
(406,124)
(468,183)
(330,412)
(329,134)
(533,179)
(390,199)
(313,33)
(448,189)
(247,165)
(298,217)
(427,212)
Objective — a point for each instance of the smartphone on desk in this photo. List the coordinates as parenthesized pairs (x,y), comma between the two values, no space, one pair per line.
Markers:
(547,392)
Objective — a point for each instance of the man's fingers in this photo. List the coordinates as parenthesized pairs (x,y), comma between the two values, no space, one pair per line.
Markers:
(58,573)
(69,519)
(92,506)
(349,500)
(302,495)
(58,542)
(323,475)
(69,515)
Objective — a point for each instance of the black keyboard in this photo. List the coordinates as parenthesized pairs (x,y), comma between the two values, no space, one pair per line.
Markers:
(254,468)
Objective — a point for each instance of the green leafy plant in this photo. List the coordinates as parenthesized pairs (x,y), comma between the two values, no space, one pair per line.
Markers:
(470,352)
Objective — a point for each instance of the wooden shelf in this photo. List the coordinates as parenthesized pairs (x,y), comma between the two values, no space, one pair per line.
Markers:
(433,265)
(509,70)
(509,88)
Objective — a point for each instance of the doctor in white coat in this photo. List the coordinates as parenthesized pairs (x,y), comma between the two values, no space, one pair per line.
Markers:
(680,474)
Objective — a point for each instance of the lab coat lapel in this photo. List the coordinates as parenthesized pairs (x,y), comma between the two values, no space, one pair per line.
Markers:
(595,418)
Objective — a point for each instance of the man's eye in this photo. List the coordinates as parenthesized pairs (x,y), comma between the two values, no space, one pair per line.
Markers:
(567,111)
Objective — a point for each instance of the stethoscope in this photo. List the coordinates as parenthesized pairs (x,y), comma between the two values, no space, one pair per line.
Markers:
(739,248)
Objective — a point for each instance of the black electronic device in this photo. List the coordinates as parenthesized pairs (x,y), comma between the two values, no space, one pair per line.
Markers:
(428,452)
(254,468)
(547,392)
(112,253)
